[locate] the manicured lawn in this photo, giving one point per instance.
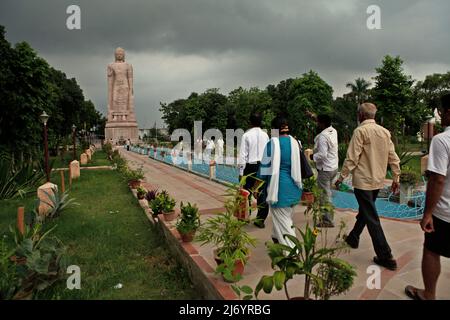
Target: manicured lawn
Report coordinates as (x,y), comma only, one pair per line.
(109,237)
(98,159)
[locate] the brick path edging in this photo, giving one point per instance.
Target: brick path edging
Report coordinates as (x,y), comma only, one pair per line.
(200,271)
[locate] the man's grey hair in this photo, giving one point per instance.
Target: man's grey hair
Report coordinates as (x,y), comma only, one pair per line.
(369,110)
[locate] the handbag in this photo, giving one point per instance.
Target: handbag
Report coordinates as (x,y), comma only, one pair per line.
(304,165)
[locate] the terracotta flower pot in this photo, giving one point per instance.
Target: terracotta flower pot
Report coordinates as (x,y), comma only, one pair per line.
(307,197)
(188,237)
(238,265)
(134,184)
(169,216)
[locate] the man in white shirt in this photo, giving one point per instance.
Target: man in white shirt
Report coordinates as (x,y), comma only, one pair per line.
(436,217)
(210,146)
(327,162)
(251,152)
(219,150)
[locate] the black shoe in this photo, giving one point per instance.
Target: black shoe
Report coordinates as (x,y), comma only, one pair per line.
(260,224)
(390,263)
(275,240)
(325,224)
(351,242)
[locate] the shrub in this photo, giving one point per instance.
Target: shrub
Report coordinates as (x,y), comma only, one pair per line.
(309,184)
(58,202)
(189,219)
(18,180)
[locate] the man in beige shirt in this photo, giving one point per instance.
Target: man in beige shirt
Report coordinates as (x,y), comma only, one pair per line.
(369,153)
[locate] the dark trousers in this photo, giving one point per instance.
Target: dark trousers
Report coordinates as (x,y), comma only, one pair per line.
(368,216)
(263,208)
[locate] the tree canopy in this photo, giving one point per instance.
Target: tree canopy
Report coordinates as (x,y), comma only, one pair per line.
(29,87)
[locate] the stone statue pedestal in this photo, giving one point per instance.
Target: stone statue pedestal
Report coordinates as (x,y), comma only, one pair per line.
(121,130)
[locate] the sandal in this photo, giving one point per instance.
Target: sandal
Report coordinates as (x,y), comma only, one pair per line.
(413,293)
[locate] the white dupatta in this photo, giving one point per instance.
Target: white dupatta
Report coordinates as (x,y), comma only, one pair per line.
(272,190)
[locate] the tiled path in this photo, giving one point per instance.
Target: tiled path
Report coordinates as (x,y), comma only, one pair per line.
(405,238)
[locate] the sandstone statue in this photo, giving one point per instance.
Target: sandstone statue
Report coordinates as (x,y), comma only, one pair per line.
(121,124)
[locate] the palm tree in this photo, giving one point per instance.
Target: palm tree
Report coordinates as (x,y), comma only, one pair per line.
(360,90)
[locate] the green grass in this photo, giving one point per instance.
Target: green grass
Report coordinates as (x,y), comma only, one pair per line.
(98,159)
(110,238)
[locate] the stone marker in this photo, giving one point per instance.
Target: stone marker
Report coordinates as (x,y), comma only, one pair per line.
(74,169)
(43,193)
(89,154)
(423,164)
(83,158)
(212,169)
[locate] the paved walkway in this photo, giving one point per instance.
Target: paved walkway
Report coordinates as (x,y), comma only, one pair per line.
(405,238)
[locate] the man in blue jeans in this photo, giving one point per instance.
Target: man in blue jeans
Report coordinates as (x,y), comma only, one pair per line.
(369,152)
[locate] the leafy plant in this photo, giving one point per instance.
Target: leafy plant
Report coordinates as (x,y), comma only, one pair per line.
(38,259)
(163,203)
(18,180)
(189,219)
(151,195)
(9,280)
(311,256)
(227,233)
(141,192)
(137,174)
(309,184)
(107,148)
(58,202)
(409,177)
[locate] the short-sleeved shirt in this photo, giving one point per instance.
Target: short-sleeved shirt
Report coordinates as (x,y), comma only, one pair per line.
(439,162)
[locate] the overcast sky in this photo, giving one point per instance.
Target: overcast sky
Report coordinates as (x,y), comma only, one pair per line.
(180,46)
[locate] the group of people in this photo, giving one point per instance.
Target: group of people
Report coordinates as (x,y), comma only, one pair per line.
(276,162)
(210,146)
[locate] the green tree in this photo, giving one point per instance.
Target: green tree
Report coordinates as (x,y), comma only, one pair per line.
(308,94)
(393,94)
(359,90)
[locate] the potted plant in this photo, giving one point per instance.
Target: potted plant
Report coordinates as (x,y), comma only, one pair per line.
(166,205)
(408,179)
(308,190)
(141,193)
(312,256)
(188,222)
(134,177)
(151,195)
(232,242)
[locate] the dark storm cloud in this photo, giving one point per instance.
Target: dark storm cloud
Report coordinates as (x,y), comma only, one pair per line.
(189,45)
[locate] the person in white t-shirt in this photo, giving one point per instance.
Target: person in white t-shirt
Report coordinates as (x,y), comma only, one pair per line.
(436,217)
(327,163)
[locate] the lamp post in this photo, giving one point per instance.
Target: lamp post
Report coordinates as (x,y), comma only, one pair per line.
(44,118)
(74,128)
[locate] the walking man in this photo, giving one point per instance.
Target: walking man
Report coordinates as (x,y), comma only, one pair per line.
(369,152)
(327,163)
(436,217)
(251,152)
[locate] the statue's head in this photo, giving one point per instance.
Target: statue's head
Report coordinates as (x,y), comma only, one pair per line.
(120,54)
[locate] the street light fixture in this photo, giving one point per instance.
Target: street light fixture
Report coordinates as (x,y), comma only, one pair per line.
(44,118)
(74,128)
